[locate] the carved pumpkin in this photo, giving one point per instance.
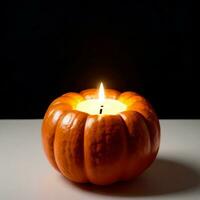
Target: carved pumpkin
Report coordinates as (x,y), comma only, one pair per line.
(101,149)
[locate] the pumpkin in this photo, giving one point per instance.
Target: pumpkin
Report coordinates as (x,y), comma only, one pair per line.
(100,149)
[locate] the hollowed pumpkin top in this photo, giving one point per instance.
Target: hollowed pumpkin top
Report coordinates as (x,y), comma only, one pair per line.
(101,149)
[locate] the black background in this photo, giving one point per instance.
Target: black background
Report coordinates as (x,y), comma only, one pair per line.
(50,48)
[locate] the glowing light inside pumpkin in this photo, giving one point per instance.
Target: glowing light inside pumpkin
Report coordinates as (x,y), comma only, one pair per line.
(108,106)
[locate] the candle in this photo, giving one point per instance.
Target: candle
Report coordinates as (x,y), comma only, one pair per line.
(102,105)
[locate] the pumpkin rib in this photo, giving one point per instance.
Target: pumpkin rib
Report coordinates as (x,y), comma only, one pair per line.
(75,96)
(68,101)
(153,126)
(68,145)
(104,148)
(138,144)
(64,145)
(131,98)
(141,105)
(129,94)
(49,125)
(63,100)
(126,160)
(137,105)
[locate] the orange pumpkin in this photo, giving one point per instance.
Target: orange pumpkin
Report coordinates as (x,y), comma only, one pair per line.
(101,149)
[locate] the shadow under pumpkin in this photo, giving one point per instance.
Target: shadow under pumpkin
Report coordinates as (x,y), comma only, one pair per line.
(163,177)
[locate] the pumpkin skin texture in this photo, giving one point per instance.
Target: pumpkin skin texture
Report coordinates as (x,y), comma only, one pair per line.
(100,149)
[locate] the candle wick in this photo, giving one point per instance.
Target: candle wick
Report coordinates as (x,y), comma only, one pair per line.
(101,109)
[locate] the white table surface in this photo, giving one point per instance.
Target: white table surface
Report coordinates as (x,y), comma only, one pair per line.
(25,173)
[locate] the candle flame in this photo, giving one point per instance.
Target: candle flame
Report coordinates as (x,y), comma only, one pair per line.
(101,93)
